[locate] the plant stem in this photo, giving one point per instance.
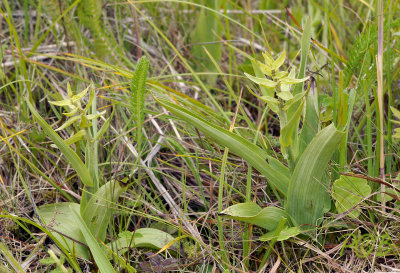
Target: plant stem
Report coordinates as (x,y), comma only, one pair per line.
(379,74)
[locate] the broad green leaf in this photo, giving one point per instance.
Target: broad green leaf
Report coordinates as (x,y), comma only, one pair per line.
(143,237)
(285,234)
(308,192)
(97,212)
(58,217)
(390,194)
(98,254)
(250,152)
(262,81)
(69,154)
(348,192)
(286,137)
(251,213)
(71,260)
(285,95)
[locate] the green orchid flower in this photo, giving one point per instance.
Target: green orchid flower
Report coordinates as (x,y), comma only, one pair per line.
(279,80)
(77,114)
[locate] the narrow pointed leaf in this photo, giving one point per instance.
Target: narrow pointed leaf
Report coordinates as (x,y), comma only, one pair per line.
(75,138)
(288,80)
(259,71)
(68,123)
(66,102)
(269,99)
(396,112)
(279,61)
(72,112)
(286,137)
(268,58)
(80,95)
(261,81)
(103,128)
(265,69)
(92,95)
(295,99)
(94,116)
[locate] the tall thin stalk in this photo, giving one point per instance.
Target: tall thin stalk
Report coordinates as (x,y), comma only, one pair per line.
(379,74)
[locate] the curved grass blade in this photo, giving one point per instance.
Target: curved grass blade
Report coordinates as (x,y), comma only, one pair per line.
(250,152)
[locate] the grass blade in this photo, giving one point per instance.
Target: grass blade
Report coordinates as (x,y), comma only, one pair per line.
(274,171)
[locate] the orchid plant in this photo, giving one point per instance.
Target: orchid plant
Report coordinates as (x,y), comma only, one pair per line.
(278,82)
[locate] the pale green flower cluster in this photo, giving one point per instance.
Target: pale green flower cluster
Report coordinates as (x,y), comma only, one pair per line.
(278,80)
(78,114)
